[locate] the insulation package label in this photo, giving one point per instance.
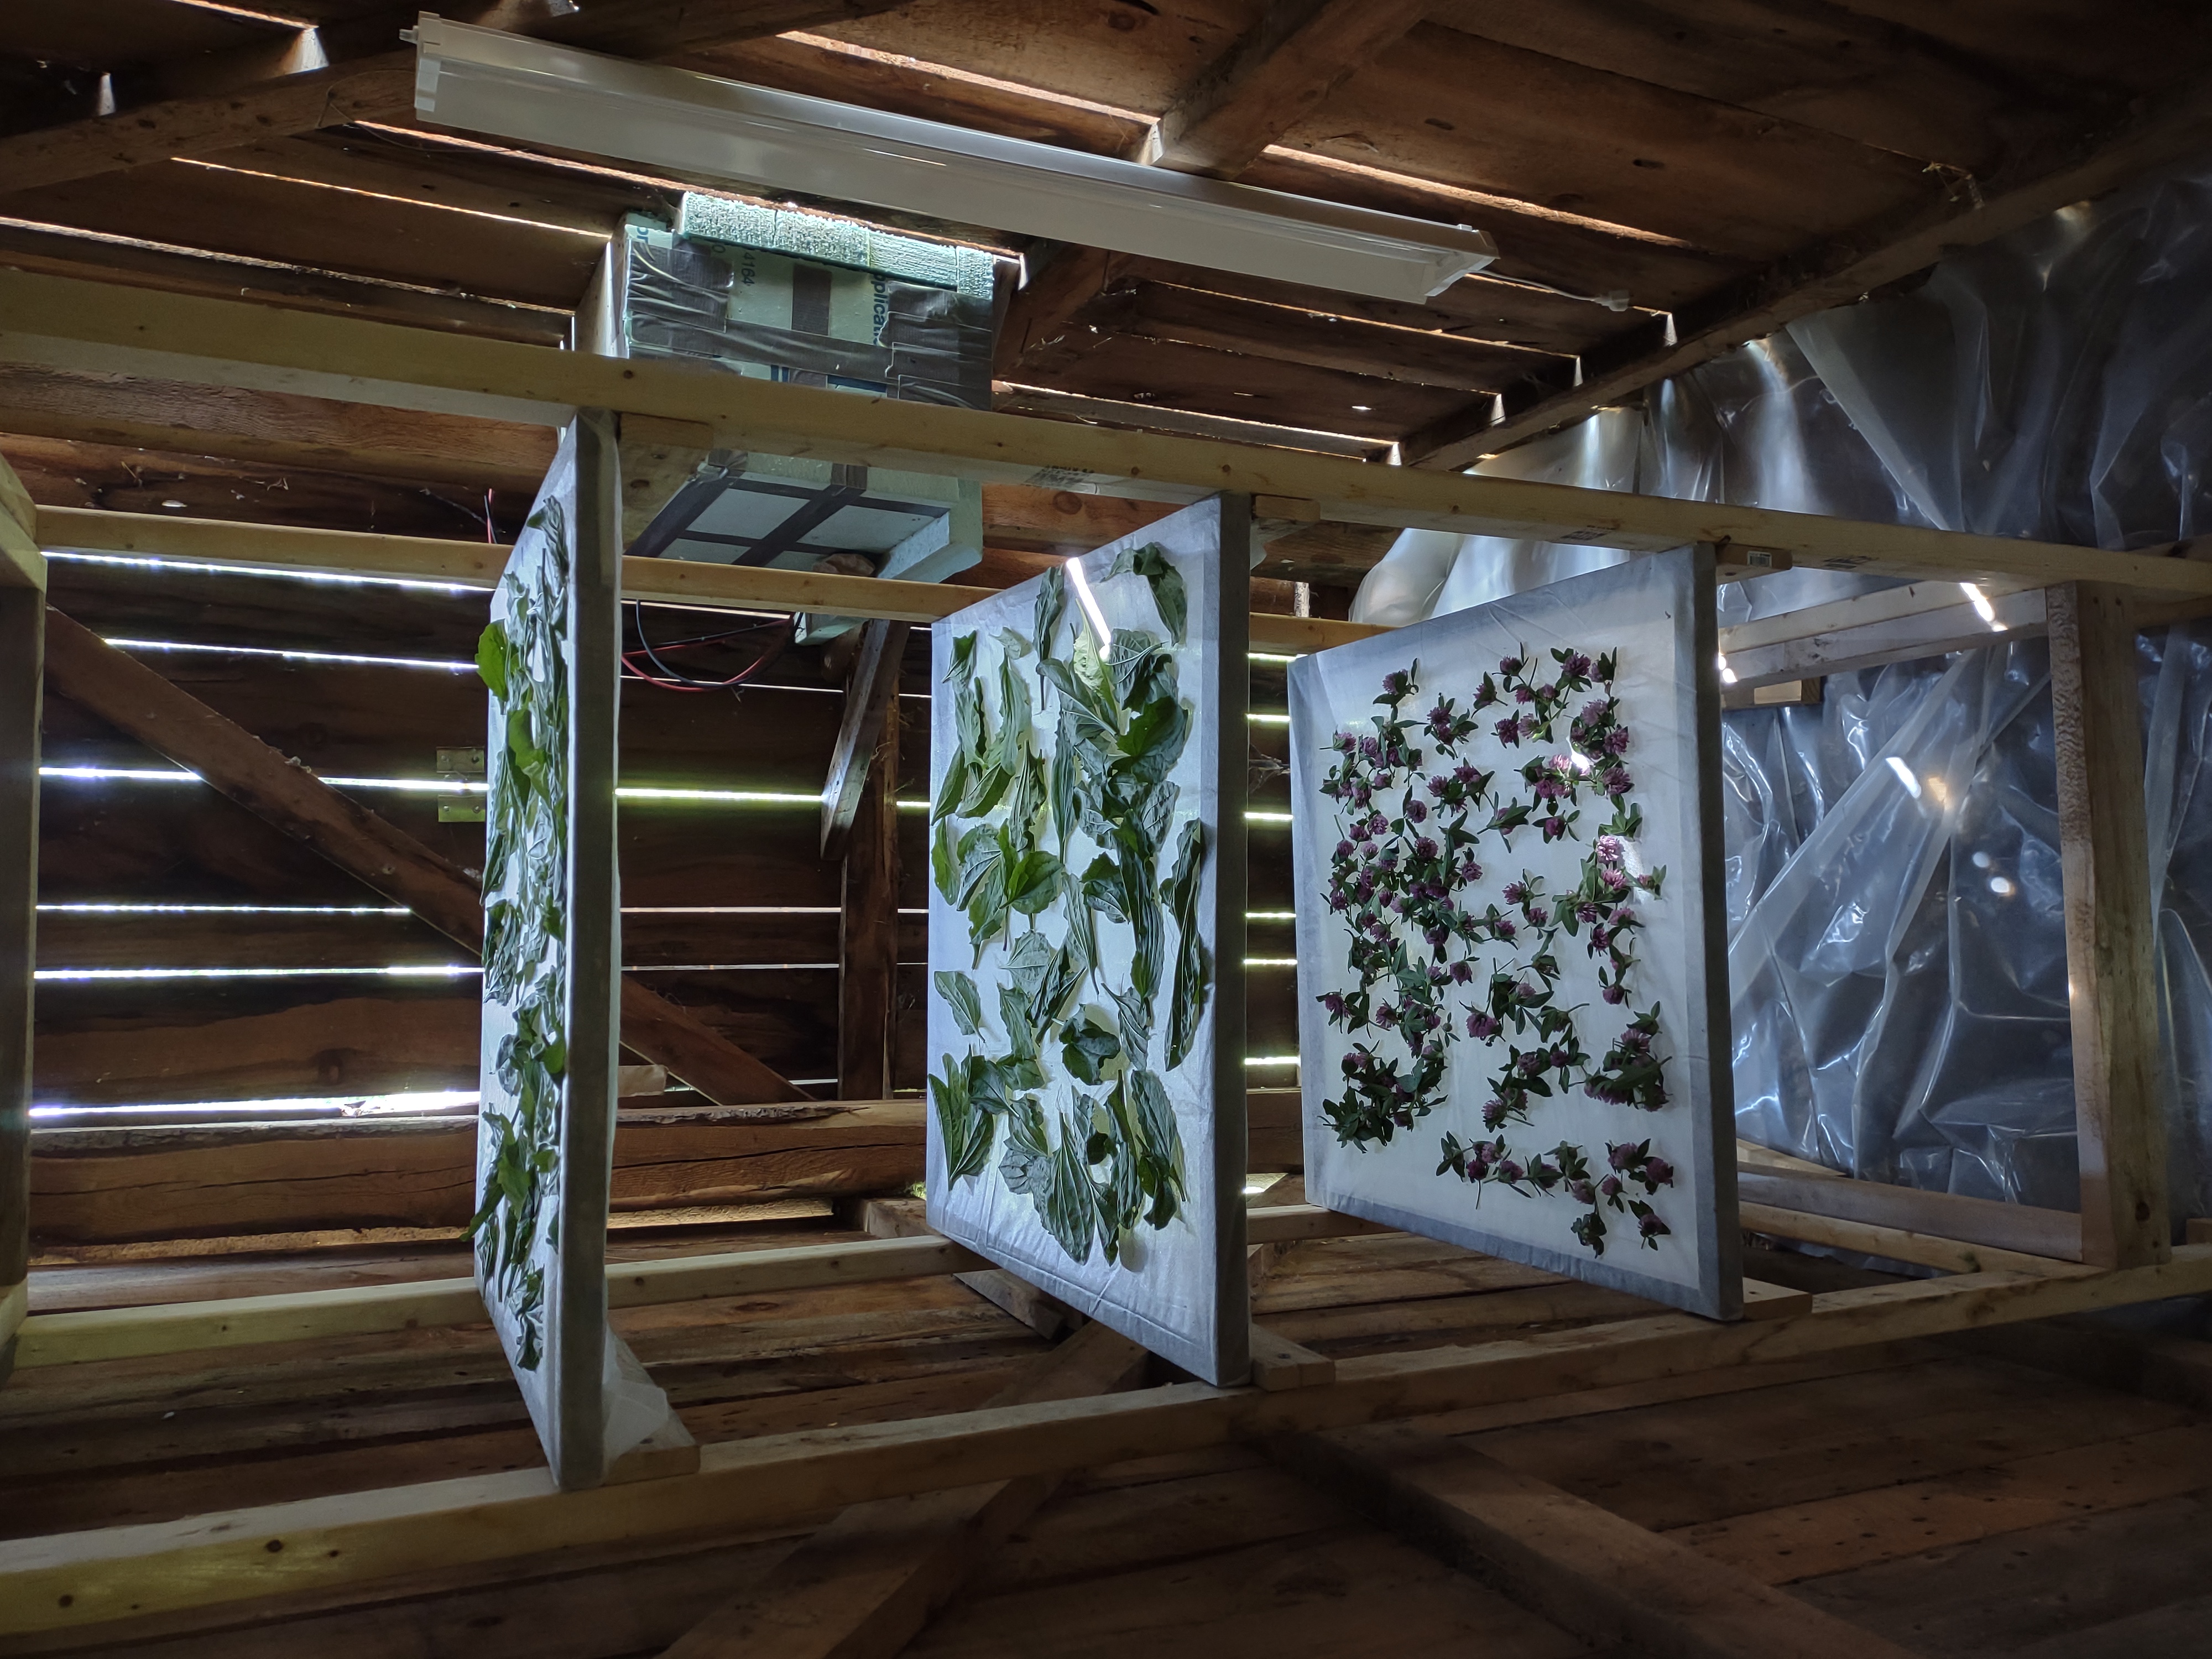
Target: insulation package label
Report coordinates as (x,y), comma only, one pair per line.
(1513,1023)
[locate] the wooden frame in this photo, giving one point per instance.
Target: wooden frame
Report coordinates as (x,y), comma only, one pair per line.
(63,323)
(22,635)
(82,1579)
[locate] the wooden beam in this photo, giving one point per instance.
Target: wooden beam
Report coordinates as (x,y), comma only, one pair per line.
(1895,1243)
(69,1338)
(139,703)
(478,564)
(1957,624)
(1593,1573)
(72,1339)
(80,1580)
(868,933)
(1276,75)
(2036,179)
(358,70)
(2021,1227)
(22,627)
(871,694)
(864,1585)
(2112,963)
(110,329)
(1042,1311)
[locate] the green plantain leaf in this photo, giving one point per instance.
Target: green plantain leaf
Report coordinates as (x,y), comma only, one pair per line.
(1028,962)
(1069,1210)
(1033,882)
(965,1132)
(491,660)
(1136,1016)
(1139,661)
(1051,600)
(963,652)
(1150,562)
(1021,1028)
(944,864)
(1027,1166)
(1187,1001)
(979,855)
(962,998)
(1154,741)
(1087,1048)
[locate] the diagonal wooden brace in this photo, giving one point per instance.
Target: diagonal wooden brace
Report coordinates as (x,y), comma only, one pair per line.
(282,792)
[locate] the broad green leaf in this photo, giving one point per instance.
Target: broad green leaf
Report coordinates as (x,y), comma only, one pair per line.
(1087,1048)
(1136,1013)
(1063,784)
(1069,1210)
(491,660)
(1155,740)
(944,864)
(965,1131)
(1187,1000)
(961,996)
(1014,718)
(1102,887)
(981,855)
(954,785)
(1168,597)
(963,652)
(1051,600)
(1028,962)
(1033,883)
(1012,645)
(1138,661)
(1021,1026)
(986,784)
(1027,1166)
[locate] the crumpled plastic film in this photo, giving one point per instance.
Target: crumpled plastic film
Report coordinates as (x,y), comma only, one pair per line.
(1898,960)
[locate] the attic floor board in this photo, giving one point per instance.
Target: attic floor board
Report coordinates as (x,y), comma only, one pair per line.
(1955,1504)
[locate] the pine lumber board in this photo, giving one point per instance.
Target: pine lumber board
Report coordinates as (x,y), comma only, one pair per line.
(1896,1243)
(88,327)
(2021,1228)
(74,1338)
(1607,1579)
(77,1581)
(1834,1535)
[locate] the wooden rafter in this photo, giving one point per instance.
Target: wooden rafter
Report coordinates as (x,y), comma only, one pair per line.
(141,704)
(1274,76)
(2038,179)
(359,70)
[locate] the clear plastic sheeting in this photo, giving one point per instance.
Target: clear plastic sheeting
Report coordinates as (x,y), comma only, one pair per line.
(1898,944)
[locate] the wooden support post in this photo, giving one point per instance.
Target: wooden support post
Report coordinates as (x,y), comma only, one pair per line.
(863,1587)
(2111,967)
(22,626)
(1042,1311)
(868,933)
(1601,1576)
(139,703)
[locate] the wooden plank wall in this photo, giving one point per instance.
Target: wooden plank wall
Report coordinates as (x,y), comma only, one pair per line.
(730,909)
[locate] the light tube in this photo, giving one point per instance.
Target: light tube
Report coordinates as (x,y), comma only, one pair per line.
(540,91)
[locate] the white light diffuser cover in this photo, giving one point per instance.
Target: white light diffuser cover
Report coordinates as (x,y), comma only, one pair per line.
(538,92)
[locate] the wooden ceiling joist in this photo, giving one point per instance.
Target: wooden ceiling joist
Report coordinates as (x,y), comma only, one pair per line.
(2034,181)
(105,328)
(358,70)
(1272,77)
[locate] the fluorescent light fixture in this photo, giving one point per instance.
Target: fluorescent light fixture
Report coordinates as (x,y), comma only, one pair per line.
(538,92)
